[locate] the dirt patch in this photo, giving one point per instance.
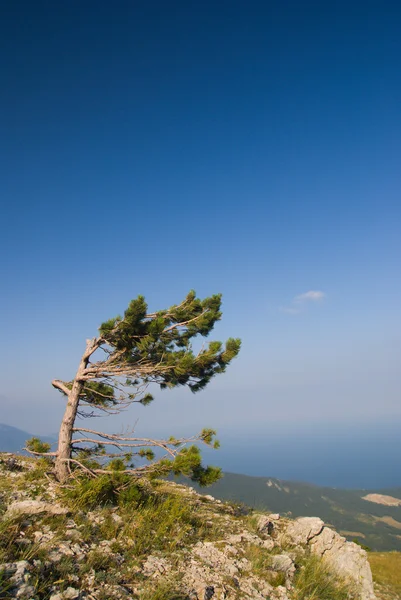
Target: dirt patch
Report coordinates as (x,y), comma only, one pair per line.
(382,499)
(353,534)
(389,521)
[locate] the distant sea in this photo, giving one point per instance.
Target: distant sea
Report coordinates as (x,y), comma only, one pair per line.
(367,457)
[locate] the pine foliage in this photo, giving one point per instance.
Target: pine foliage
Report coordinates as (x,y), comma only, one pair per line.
(160,343)
(141,350)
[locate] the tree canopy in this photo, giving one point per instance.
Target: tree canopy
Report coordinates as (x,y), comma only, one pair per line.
(131,355)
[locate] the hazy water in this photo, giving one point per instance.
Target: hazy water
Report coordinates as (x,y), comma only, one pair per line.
(368,457)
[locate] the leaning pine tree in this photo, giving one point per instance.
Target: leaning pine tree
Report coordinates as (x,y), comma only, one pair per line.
(116,369)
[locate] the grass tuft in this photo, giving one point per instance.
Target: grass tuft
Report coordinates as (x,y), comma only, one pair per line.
(386,570)
(164,590)
(314,580)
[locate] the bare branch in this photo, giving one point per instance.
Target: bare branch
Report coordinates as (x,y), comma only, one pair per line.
(117,444)
(154,315)
(60,385)
(91,347)
(126,438)
(73,460)
(185,322)
(40,453)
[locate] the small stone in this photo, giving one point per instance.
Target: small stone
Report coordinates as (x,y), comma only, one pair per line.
(268,544)
(282,563)
(71,593)
(265,525)
(154,566)
(19,568)
(25,591)
(73,534)
(209,592)
(280,593)
(116,518)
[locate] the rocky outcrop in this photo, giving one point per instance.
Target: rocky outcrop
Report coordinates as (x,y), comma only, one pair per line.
(348,559)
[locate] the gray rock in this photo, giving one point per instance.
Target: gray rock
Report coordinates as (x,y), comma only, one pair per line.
(19,577)
(70,524)
(223,570)
(43,538)
(155,565)
(274,517)
(116,518)
(73,534)
(280,593)
(209,592)
(268,544)
(265,526)
(348,559)
(283,563)
(71,593)
(302,530)
(34,507)
(19,570)
(25,591)
(55,556)
(238,539)
(215,558)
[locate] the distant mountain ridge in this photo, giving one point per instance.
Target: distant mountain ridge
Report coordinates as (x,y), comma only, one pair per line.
(13,439)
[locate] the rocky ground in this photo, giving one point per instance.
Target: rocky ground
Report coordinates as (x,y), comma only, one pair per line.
(161,542)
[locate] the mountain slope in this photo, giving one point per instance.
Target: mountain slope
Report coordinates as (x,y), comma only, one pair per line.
(13,439)
(114,537)
(375,525)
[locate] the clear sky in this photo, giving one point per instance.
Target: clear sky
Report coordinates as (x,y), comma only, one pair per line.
(249,148)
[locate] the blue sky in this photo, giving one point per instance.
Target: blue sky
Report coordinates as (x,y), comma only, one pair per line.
(248,148)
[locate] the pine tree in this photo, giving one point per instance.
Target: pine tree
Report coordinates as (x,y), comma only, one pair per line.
(116,369)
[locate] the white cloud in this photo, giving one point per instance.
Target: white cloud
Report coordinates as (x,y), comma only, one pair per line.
(312,295)
(298,302)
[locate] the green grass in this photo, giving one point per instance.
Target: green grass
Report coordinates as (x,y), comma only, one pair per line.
(315,581)
(164,524)
(261,561)
(164,590)
(5,585)
(386,570)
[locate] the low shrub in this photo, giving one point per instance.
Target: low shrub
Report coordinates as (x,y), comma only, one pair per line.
(116,489)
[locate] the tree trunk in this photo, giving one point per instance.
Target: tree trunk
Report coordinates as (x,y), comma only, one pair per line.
(65,433)
(67,424)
